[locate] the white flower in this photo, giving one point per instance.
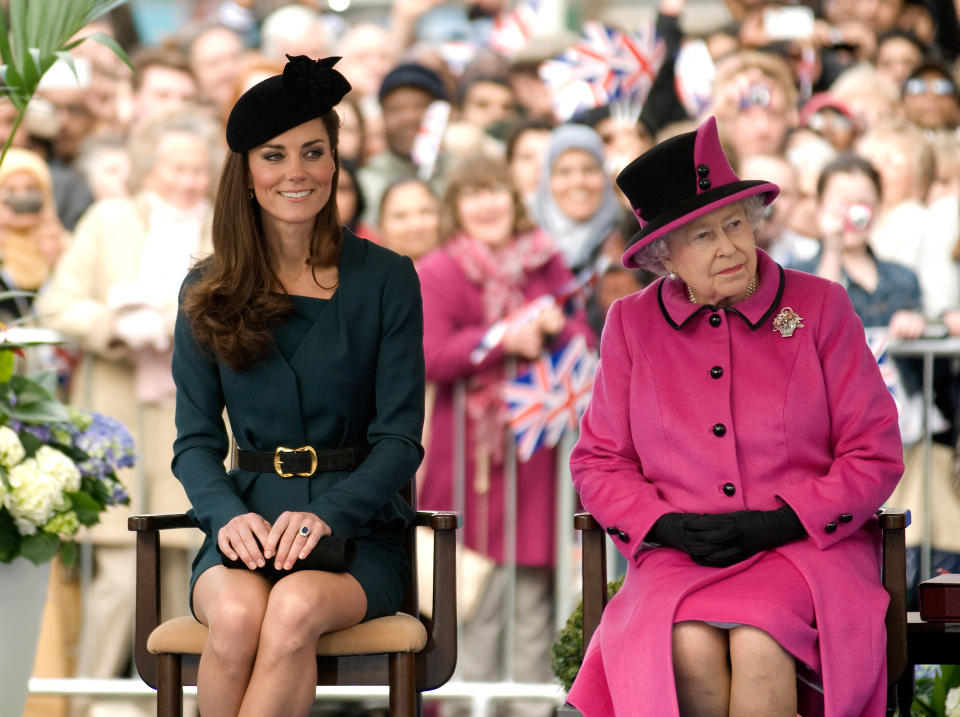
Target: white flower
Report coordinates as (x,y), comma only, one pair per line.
(952,703)
(34,496)
(11,449)
(60,467)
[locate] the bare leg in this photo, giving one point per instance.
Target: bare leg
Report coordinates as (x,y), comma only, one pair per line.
(302,607)
(701,670)
(764,682)
(232,603)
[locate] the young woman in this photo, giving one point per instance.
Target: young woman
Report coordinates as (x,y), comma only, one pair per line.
(311,338)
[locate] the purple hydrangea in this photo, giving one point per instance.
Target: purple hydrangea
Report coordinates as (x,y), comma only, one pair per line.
(108,445)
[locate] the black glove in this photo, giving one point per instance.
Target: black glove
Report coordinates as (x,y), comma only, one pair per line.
(693,533)
(755,530)
(332,554)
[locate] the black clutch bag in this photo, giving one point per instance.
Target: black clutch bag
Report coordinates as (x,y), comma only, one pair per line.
(332,554)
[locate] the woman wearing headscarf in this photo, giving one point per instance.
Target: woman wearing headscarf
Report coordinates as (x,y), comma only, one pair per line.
(575,202)
(31,236)
(737,445)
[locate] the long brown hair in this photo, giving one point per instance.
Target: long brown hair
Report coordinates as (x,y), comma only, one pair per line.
(233,304)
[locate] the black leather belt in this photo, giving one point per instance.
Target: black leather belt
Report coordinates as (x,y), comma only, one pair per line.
(302,461)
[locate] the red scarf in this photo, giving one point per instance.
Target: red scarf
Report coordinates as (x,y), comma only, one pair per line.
(501,275)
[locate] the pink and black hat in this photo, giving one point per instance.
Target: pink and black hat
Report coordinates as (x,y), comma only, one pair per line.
(680,179)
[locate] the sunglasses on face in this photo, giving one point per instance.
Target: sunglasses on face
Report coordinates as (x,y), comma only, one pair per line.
(939,86)
(823,121)
(756,95)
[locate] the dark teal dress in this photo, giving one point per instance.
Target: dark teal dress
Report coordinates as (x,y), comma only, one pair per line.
(344,371)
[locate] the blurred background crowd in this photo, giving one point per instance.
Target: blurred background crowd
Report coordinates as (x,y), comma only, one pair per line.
(462,114)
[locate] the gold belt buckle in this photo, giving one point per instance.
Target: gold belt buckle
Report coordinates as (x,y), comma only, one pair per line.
(301,449)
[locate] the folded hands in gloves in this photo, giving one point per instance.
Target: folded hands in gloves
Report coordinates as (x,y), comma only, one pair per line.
(722,539)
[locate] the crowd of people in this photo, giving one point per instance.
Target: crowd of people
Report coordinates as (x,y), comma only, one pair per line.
(455,155)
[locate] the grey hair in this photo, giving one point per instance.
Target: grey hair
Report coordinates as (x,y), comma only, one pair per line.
(652,255)
(190,120)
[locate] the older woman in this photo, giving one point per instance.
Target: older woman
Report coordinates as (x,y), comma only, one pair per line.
(491,264)
(737,445)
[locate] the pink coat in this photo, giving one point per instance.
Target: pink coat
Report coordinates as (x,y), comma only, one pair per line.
(806,420)
(453,324)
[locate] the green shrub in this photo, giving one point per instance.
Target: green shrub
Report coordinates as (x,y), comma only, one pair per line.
(567,653)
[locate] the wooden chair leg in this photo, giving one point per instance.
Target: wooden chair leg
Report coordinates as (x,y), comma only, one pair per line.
(905,691)
(403,691)
(169,687)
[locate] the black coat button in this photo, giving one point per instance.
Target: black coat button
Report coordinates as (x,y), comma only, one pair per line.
(729,488)
(716,372)
(715,319)
(846,518)
(830,527)
(719,429)
(704,184)
(611,530)
(623,536)
(703,170)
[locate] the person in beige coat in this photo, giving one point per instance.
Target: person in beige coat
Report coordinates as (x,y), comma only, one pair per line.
(114,293)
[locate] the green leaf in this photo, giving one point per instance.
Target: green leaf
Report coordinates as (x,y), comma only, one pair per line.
(96,489)
(87,508)
(7,361)
(47,411)
(31,444)
(6,53)
(28,390)
(47,380)
(109,42)
(9,537)
(40,547)
(69,553)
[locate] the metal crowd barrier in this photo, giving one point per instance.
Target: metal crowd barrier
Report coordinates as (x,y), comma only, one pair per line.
(482,695)
(934,345)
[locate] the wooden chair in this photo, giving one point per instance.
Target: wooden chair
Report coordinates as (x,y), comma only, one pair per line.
(404,651)
(893,524)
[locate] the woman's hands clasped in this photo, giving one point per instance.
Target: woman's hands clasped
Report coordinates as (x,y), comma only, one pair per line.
(722,539)
(251,538)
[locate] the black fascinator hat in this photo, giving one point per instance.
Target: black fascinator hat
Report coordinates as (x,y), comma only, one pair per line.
(307,89)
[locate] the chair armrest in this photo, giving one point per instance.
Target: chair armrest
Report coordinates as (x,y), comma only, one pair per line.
(147,615)
(893,518)
(893,524)
(594,567)
(439,519)
(438,659)
(159,521)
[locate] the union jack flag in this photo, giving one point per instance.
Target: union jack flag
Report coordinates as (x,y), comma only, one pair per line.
(606,66)
(511,30)
(550,397)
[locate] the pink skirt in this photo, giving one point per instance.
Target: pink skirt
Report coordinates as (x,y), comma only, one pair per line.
(770,587)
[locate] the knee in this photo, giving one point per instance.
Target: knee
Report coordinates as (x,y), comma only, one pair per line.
(235,629)
(293,621)
(699,653)
(754,653)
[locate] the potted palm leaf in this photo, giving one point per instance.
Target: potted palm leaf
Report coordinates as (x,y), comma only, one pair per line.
(48,485)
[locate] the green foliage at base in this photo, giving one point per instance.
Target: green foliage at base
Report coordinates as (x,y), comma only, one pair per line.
(567,653)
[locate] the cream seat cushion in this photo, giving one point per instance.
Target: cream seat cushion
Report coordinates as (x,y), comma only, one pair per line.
(393,633)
